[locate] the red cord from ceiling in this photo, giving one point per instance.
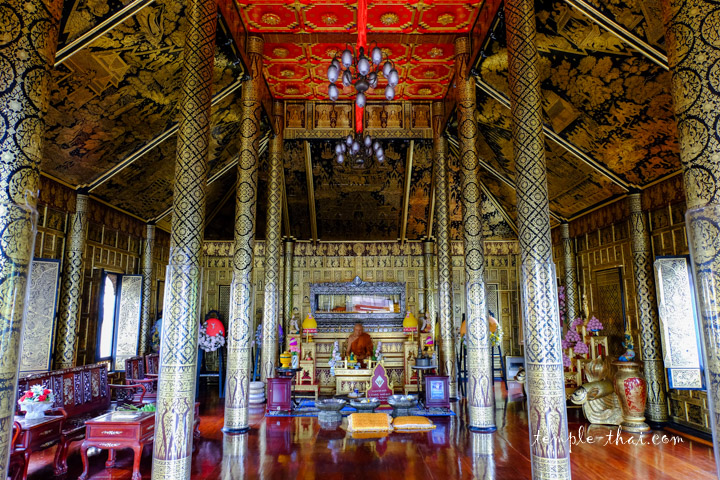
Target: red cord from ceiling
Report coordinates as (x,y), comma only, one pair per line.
(361,42)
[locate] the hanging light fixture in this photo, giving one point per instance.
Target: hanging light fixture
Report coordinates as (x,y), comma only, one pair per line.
(362,73)
(358,150)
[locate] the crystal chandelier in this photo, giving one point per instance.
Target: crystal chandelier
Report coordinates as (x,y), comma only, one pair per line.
(362,73)
(358,149)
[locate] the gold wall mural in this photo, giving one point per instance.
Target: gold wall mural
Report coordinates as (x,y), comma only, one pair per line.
(127,338)
(114,96)
(644,19)
(572,185)
(605,98)
(372,261)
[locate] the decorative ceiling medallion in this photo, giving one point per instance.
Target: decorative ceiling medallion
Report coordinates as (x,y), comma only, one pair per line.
(435,52)
(292,90)
(446,19)
(424,91)
(430,74)
(287,73)
(329,19)
(389,19)
(281,52)
(331,52)
(270,19)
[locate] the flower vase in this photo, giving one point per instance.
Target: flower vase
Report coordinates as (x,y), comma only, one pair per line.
(631,389)
(35,410)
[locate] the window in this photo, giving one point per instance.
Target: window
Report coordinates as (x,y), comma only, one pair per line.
(106,325)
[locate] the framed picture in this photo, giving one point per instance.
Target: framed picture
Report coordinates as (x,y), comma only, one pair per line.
(436,391)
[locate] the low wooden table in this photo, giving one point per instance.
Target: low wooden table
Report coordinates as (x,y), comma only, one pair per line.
(118,430)
(36,435)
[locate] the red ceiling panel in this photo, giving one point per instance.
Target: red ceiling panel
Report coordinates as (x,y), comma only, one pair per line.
(298,70)
(430,72)
(287,71)
(329,18)
(396,17)
(284,52)
(433,52)
(440,18)
(271,17)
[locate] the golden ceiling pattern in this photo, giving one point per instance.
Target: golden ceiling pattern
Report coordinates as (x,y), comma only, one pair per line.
(112,98)
(599,95)
(572,185)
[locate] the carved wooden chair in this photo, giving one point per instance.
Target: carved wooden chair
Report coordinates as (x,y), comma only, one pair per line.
(135,375)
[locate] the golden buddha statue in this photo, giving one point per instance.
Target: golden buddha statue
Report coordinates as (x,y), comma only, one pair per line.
(359,344)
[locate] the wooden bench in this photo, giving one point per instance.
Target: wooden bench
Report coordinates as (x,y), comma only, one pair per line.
(81,393)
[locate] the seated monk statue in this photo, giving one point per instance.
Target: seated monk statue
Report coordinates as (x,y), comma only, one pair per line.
(360,344)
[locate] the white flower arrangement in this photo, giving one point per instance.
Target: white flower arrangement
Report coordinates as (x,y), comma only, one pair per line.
(210,343)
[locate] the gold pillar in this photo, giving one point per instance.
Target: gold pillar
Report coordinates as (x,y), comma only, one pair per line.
(481,391)
(172,452)
(545,382)
(72,285)
(27,52)
(442,216)
(272,249)
(656,409)
(240,328)
(693,60)
(288,287)
(430,308)
(571,297)
(146,269)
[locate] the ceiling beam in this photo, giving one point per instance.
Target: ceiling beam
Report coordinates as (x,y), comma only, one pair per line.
(351,38)
(500,208)
(219,174)
(226,198)
(625,35)
(99,30)
(455,149)
(569,147)
(149,146)
(406,196)
(311,191)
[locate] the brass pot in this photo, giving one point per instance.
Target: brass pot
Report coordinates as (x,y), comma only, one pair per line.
(631,389)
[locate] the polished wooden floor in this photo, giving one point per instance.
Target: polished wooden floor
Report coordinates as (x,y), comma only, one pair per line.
(290,448)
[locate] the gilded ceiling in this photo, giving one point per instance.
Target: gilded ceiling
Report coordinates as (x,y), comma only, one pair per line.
(302,37)
(600,95)
(113,110)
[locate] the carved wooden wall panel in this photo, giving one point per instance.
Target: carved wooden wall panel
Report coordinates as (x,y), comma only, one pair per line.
(39,323)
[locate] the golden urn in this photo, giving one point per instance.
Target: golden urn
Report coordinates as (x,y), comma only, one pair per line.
(285,359)
(631,389)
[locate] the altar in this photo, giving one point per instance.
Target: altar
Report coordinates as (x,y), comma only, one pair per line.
(347,380)
(380,307)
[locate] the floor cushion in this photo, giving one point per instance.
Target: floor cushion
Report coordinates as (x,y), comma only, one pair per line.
(369,422)
(412,424)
